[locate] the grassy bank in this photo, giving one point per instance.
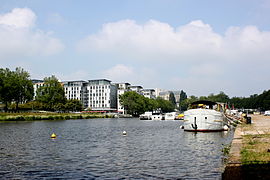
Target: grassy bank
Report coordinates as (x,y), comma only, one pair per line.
(256,149)
(48,116)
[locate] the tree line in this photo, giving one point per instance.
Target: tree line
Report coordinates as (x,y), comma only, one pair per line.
(17,93)
(136,104)
(260,102)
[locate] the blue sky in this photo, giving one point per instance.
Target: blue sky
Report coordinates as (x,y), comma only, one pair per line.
(200,47)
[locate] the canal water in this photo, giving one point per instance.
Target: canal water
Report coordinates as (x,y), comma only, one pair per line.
(96,149)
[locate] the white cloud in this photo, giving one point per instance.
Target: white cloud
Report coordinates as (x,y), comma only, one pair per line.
(192,42)
(143,76)
(192,57)
(154,38)
(19,18)
(19,37)
(119,73)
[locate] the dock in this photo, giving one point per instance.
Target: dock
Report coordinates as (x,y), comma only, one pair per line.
(235,167)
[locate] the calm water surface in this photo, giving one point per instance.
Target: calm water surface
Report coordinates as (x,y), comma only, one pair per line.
(96,149)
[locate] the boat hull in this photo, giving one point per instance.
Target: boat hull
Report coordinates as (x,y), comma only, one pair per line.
(157,117)
(204,120)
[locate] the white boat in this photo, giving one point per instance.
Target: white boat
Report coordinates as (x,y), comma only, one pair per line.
(146,116)
(157,117)
(170,116)
(205,116)
(267,113)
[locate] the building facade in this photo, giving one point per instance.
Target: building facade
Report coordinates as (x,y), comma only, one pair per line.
(99,94)
(149,93)
(137,89)
(121,89)
(37,84)
(74,90)
(102,95)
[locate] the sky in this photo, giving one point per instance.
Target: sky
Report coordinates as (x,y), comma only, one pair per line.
(200,47)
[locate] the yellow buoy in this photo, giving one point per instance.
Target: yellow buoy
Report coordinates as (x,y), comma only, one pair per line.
(53,136)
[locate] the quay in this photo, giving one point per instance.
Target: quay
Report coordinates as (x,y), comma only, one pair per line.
(236,167)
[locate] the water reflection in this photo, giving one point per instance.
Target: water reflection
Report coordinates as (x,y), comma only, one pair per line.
(96,149)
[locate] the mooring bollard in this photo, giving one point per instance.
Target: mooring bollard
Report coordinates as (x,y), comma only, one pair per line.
(248,120)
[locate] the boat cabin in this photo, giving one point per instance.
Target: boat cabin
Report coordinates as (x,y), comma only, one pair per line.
(204,104)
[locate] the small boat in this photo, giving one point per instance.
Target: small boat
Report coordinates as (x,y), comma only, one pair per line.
(179,117)
(157,117)
(205,116)
(146,116)
(170,116)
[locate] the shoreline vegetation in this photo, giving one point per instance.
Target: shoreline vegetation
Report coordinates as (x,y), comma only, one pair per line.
(255,149)
(30,116)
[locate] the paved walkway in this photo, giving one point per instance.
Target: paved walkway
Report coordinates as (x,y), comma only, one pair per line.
(259,125)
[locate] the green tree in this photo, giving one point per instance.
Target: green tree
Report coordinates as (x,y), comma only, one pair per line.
(16,86)
(263,101)
(221,97)
(185,104)
(172,98)
(72,105)
(6,86)
(182,105)
(164,105)
(152,105)
(23,87)
(134,103)
(51,93)
(33,105)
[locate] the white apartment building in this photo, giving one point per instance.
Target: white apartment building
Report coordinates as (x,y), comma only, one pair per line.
(37,84)
(149,93)
(121,89)
(166,95)
(98,94)
(102,95)
(137,89)
(74,90)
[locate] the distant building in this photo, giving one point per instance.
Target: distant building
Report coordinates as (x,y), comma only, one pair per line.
(37,84)
(136,89)
(177,97)
(121,89)
(157,91)
(102,95)
(76,90)
(149,93)
(166,95)
(97,94)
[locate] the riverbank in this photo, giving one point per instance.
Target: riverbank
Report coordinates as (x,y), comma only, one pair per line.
(249,156)
(50,116)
